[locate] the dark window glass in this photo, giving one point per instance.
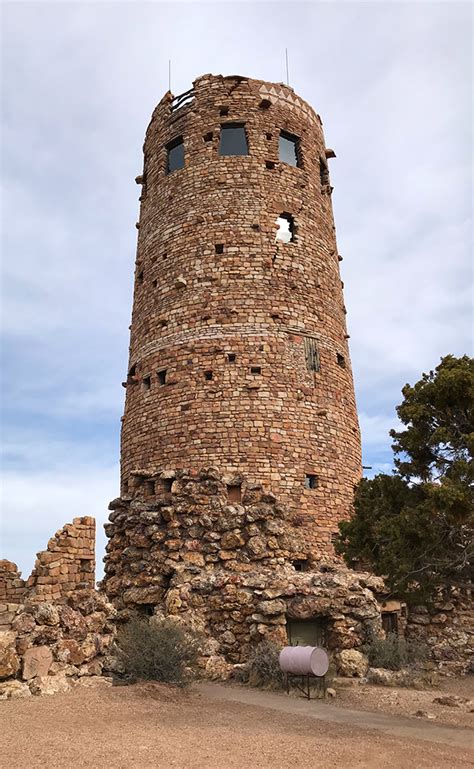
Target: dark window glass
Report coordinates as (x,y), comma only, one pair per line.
(289,149)
(233,140)
(175,152)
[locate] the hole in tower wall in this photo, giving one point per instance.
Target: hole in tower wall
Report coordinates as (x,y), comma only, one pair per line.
(149,488)
(146,383)
(255,369)
(140,276)
(208,375)
(270,165)
(219,248)
(166,484)
(341,361)
(208,137)
(223,111)
(161,376)
(231,357)
(310,481)
(286,228)
(234,492)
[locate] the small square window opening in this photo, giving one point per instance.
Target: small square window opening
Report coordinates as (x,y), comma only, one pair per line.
(208,375)
(162,376)
(234,492)
(219,248)
(341,361)
(310,481)
(255,369)
(231,357)
(146,383)
(208,137)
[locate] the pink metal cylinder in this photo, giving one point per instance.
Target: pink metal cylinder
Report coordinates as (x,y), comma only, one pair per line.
(304,660)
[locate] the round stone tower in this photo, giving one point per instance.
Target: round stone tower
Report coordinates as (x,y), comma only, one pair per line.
(239,354)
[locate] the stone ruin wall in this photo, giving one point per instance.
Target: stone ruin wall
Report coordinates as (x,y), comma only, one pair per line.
(55,627)
(226,313)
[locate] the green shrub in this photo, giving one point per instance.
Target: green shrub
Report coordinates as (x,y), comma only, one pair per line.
(157,651)
(393,652)
(264,666)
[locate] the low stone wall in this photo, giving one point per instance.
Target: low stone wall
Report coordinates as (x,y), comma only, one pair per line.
(447,628)
(67,564)
(12,586)
(48,646)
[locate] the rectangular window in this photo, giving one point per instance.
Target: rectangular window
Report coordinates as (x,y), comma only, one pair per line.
(288,147)
(341,361)
(146,383)
(255,369)
(310,481)
(234,492)
(162,376)
(390,622)
(307,632)
(233,140)
(311,353)
(175,155)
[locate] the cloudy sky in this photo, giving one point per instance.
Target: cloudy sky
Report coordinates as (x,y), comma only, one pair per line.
(80,80)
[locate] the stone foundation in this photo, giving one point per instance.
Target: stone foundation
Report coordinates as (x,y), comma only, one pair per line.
(236,570)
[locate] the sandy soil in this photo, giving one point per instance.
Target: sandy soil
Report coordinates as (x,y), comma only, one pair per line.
(406,702)
(152,725)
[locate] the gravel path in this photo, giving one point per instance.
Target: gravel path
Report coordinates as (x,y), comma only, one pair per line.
(152,726)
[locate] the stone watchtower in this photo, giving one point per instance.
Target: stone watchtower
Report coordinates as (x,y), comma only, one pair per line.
(239,356)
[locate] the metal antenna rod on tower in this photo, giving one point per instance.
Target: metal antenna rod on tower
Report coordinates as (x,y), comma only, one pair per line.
(287,70)
(169,74)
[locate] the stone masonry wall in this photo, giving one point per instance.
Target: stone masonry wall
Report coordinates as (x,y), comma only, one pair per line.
(67,564)
(12,586)
(230,568)
(224,314)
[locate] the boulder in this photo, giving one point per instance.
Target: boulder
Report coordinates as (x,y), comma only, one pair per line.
(218,669)
(49,685)
(69,651)
(73,622)
(46,614)
(14,690)
(36,662)
(9,659)
(351,663)
(24,623)
(450,700)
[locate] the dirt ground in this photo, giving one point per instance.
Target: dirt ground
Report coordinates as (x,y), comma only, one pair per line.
(152,725)
(407,702)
